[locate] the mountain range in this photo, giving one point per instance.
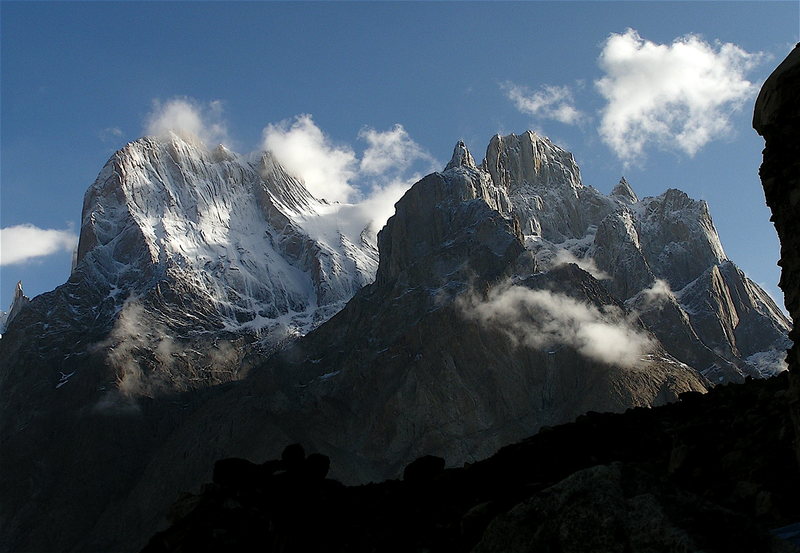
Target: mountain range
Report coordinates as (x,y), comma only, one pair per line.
(216,308)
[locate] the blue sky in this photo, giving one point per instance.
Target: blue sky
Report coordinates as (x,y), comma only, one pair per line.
(79,80)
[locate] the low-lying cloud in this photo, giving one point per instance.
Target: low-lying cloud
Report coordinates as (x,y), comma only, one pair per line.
(658,292)
(565,257)
(678,96)
(549,102)
(21,243)
(188,118)
(542,319)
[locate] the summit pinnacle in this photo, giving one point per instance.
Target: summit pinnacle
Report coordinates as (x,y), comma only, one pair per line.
(461,157)
(624,192)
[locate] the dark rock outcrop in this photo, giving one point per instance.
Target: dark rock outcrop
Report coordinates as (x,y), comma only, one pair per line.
(709,473)
(777,119)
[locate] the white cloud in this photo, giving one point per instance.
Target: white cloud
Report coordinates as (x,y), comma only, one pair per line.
(657,293)
(678,96)
(564,257)
(372,184)
(389,151)
(189,119)
(542,319)
(21,243)
(549,102)
(304,150)
(378,206)
(110,134)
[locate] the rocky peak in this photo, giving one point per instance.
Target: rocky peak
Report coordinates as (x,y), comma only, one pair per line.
(19,303)
(515,161)
(448,228)
(461,157)
(624,192)
(231,234)
(221,153)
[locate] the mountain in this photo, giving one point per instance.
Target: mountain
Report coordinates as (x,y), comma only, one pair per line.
(188,259)
(661,256)
(709,472)
(208,316)
(17,304)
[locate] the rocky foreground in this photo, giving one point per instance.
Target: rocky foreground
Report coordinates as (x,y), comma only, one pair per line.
(710,473)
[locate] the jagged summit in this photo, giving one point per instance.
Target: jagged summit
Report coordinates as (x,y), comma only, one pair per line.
(17,305)
(515,161)
(227,233)
(461,157)
(624,192)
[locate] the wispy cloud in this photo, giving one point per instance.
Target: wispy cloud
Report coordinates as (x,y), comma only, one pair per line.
(548,102)
(110,134)
(658,293)
(564,257)
(21,243)
(188,118)
(678,96)
(542,319)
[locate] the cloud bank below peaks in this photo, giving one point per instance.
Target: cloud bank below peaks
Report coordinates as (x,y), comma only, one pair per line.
(188,118)
(677,96)
(541,319)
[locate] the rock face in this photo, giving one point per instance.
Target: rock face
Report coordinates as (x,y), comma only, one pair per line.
(507,297)
(777,119)
(653,254)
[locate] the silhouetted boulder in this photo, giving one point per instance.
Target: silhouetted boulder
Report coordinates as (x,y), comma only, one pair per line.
(293,457)
(317,466)
(237,473)
(424,469)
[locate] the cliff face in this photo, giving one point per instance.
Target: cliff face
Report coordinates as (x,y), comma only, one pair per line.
(777,119)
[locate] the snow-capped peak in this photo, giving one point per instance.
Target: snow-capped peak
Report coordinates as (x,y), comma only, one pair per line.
(624,192)
(230,234)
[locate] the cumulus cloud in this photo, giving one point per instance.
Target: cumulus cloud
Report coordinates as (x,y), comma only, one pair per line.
(367,186)
(303,149)
(374,210)
(542,319)
(389,151)
(188,118)
(549,102)
(21,243)
(678,96)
